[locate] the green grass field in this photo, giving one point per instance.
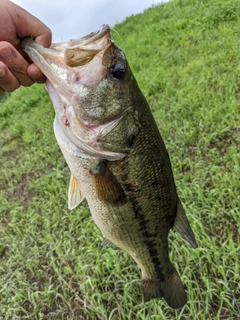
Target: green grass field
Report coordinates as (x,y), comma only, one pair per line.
(185,56)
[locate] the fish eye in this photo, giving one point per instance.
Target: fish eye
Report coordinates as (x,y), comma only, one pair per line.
(118,71)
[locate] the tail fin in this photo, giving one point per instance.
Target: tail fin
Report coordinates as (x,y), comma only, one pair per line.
(171,289)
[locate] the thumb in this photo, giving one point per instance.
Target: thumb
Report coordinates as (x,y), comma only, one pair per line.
(28,25)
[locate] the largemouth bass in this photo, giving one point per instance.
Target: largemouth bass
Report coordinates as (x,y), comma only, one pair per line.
(117,158)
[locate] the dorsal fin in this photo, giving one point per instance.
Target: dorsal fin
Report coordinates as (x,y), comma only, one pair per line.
(182,226)
(75,193)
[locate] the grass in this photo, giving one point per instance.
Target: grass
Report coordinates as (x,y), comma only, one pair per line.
(52,264)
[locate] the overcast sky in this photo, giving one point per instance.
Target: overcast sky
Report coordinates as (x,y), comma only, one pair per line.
(71,19)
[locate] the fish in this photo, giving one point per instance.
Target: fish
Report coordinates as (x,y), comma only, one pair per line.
(116,155)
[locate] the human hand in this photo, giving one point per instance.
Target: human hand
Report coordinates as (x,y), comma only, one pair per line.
(15,68)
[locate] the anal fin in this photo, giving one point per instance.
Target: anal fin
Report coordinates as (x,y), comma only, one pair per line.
(107,243)
(171,289)
(107,186)
(182,226)
(75,193)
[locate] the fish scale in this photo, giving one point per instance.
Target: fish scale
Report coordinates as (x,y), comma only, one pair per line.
(117,158)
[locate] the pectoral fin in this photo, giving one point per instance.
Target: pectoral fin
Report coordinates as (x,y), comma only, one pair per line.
(182,226)
(75,193)
(107,187)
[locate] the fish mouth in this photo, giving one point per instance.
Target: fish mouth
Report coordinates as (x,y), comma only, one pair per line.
(72,68)
(66,62)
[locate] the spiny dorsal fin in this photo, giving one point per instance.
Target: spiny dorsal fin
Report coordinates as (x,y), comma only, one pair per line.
(107,187)
(75,193)
(171,289)
(182,226)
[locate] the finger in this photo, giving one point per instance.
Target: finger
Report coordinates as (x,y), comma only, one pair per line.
(29,25)
(8,82)
(36,74)
(2,73)
(15,63)
(1,91)
(44,39)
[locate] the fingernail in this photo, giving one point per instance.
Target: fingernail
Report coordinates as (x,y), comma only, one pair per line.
(2,73)
(6,53)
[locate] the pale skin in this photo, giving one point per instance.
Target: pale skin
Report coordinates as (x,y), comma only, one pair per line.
(15,68)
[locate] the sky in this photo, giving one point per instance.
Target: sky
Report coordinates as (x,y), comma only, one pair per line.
(72,19)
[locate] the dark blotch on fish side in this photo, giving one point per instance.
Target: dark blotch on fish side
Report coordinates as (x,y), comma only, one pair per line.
(169,287)
(131,189)
(130,141)
(147,236)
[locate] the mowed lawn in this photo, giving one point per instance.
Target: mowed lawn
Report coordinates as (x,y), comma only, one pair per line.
(186,57)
